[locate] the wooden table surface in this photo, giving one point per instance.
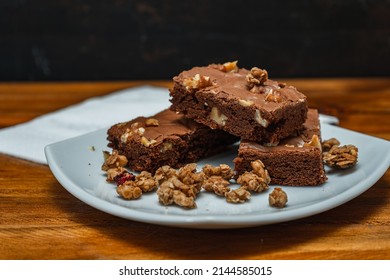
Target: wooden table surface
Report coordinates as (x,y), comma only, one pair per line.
(41,220)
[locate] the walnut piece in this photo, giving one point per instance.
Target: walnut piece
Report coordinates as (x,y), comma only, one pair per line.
(252,182)
(145,181)
(260,120)
(341,156)
(259,169)
(229,67)
(273,96)
(216,184)
(164,173)
(239,195)
(166,146)
(328,144)
(245,103)
(256,77)
(314,142)
(113,160)
(223,170)
(218,117)
(179,186)
(146,142)
(173,191)
(151,122)
(256,180)
(189,176)
(197,82)
(277,198)
(134,188)
(134,130)
(129,190)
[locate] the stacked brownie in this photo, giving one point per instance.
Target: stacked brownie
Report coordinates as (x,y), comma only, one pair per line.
(217,105)
(166,138)
(295,161)
(272,119)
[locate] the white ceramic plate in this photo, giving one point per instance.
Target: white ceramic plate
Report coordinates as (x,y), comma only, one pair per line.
(77,166)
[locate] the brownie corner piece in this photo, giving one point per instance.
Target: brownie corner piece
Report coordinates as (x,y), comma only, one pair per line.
(295,161)
(266,112)
(166,138)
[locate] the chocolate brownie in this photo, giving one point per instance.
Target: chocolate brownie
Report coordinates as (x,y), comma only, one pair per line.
(165,139)
(296,161)
(242,102)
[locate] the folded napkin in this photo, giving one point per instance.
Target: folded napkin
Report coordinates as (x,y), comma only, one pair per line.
(29,139)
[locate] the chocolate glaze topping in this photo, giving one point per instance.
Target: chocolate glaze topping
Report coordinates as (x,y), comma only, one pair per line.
(233,85)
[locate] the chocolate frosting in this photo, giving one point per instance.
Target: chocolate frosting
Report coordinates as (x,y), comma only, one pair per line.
(232,85)
(170,124)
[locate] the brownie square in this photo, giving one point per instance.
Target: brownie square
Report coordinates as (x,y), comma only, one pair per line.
(166,138)
(225,99)
(296,161)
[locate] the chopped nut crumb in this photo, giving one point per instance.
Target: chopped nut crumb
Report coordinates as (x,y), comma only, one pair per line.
(146,142)
(218,117)
(151,122)
(135,125)
(166,146)
(256,77)
(113,160)
(197,82)
(135,129)
(273,96)
(314,142)
(260,120)
(239,195)
(229,67)
(277,198)
(341,156)
(328,144)
(125,136)
(245,103)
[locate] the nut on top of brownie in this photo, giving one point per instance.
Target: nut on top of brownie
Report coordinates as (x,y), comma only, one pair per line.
(245,103)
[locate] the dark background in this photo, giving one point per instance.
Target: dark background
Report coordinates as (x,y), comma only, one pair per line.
(125,40)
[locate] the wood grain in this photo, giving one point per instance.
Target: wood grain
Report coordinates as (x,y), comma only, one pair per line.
(41,220)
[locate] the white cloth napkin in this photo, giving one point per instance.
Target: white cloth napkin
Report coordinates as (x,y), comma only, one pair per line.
(29,139)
